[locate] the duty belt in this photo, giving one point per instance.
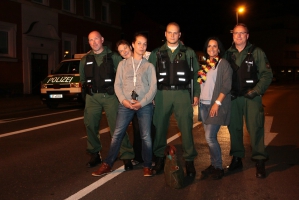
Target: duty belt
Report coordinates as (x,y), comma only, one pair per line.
(172,87)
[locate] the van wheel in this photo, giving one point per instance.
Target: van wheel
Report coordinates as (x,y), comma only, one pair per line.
(52,105)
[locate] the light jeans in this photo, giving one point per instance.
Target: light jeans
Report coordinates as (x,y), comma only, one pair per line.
(211,131)
(124,117)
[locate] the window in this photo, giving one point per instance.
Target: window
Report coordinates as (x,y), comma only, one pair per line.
(3,42)
(69,5)
(44,2)
(68,45)
(88,8)
(8,39)
(105,12)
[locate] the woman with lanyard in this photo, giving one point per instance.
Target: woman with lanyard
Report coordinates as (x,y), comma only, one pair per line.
(215,79)
(135,87)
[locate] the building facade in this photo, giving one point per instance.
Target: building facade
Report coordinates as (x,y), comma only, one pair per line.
(35,35)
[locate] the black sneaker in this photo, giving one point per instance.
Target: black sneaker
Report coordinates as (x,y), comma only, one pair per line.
(190,169)
(95,159)
(159,165)
(217,174)
(209,170)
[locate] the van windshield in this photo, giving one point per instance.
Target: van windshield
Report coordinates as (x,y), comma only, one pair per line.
(68,67)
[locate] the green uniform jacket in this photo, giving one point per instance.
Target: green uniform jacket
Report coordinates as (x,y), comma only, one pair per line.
(264,71)
(99,59)
(189,53)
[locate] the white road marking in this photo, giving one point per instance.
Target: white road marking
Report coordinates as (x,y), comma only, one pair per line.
(80,194)
(19,119)
(268,135)
(39,127)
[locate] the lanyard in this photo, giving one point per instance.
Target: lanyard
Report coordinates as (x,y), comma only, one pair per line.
(135,71)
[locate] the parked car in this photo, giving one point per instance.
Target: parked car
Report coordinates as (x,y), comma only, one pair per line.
(63,85)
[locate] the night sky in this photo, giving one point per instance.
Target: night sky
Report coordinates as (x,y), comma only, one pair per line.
(200,19)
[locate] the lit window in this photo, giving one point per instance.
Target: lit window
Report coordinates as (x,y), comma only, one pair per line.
(289,70)
(8,39)
(69,5)
(68,45)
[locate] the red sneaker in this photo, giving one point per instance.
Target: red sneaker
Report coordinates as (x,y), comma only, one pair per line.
(104,169)
(147,171)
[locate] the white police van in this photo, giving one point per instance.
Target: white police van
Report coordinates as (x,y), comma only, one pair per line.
(63,85)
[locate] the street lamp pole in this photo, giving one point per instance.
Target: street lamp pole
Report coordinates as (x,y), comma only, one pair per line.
(239,10)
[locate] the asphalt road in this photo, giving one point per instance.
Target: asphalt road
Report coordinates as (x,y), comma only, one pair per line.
(43,157)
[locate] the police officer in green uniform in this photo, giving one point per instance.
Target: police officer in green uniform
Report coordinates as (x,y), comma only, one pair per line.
(172,62)
(97,74)
(252,76)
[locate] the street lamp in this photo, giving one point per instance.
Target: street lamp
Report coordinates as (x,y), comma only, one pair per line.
(239,10)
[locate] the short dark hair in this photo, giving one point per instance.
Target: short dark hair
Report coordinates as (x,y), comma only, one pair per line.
(137,35)
(244,25)
(220,46)
(120,42)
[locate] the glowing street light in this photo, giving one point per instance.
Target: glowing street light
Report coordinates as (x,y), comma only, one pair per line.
(239,10)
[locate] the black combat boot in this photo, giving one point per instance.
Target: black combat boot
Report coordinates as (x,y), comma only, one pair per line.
(190,169)
(235,164)
(159,165)
(260,169)
(95,159)
(128,164)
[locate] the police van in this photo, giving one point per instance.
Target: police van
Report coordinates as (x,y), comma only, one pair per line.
(63,85)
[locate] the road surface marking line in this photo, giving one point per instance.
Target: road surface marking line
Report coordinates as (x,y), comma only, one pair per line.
(38,127)
(18,119)
(80,194)
(268,137)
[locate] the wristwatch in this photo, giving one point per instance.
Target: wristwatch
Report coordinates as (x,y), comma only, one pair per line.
(218,102)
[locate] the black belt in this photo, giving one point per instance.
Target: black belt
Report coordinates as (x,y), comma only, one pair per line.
(172,87)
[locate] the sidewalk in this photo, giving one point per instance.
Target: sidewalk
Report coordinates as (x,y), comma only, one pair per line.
(20,103)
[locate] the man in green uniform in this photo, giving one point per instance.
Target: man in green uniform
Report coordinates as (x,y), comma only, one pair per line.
(252,76)
(172,62)
(97,74)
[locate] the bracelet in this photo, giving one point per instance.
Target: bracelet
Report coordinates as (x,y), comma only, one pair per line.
(218,102)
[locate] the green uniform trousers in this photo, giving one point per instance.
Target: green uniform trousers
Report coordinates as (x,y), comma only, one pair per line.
(253,112)
(167,102)
(92,116)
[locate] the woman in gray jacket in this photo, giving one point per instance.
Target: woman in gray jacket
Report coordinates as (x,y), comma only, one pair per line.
(215,79)
(135,87)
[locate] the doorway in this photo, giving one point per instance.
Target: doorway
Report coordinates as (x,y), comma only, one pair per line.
(39,71)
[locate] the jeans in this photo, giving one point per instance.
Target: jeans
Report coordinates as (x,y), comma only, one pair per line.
(124,117)
(211,131)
